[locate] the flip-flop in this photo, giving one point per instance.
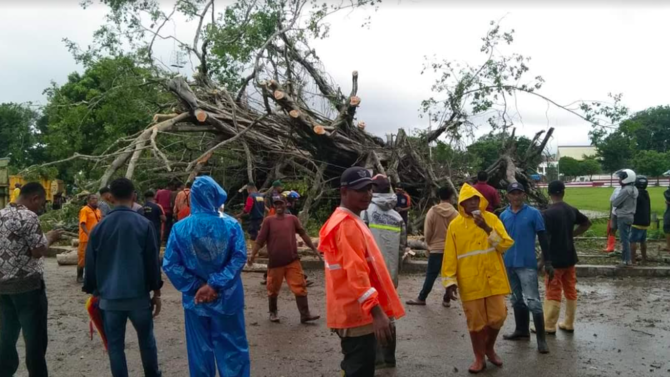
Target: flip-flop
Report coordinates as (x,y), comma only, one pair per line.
(415,302)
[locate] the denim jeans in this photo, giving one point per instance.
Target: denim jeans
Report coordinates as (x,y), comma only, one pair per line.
(432,272)
(525,290)
(624,225)
(115,328)
(25,312)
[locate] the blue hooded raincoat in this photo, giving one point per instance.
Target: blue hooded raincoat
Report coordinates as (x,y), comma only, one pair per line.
(205,248)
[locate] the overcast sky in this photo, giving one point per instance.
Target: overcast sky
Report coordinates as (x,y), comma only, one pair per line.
(583,49)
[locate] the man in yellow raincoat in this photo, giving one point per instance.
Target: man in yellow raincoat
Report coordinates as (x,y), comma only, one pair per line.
(473,264)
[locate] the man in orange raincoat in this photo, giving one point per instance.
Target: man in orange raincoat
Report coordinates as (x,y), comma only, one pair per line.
(473,264)
(361,299)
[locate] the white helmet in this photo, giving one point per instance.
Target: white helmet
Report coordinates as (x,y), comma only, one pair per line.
(626,176)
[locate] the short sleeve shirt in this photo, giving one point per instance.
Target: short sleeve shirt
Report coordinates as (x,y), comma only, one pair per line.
(560,220)
(279,232)
(104,208)
(91,217)
(153,212)
(522,227)
(20,232)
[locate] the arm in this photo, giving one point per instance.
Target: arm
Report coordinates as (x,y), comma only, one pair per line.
(349,241)
(223,279)
(305,237)
(620,199)
(152,271)
(499,238)
(38,243)
(90,277)
(260,241)
(583,223)
(428,227)
(175,269)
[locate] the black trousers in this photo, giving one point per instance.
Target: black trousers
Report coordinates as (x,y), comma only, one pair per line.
(433,271)
(359,356)
(28,312)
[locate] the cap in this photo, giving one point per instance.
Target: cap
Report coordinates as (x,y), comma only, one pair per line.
(277,183)
(383,184)
(515,186)
(356,178)
(277,198)
(556,187)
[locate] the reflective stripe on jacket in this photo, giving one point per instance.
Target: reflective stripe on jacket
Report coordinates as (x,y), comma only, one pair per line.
(356,276)
(473,259)
(388,229)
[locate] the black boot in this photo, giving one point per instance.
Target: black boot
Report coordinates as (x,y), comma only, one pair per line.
(538,320)
(303,308)
(272,303)
(80,274)
(522,319)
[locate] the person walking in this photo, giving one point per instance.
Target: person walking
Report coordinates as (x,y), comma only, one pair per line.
(154,212)
(524,223)
(360,296)
(122,271)
(641,220)
(182,203)
(15,193)
(473,266)
(204,259)
(164,199)
(278,232)
(489,192)
(104,204)
(625,204)
(89,217)
(560,220)
(435,231)
(23,299)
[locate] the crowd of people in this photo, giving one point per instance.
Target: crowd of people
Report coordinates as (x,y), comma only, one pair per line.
(480,255)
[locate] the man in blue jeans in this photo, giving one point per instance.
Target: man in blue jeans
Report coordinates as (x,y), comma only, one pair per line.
(122,271)
(625,204)
(523,223)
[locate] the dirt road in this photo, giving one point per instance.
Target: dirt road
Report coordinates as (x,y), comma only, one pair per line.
(623,329)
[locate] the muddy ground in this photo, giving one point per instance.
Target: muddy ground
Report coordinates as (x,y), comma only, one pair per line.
(623,329)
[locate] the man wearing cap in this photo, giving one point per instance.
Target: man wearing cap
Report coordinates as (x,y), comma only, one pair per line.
(360,296)
(278,232)
(277,188)
(523,223)
(389,231)
(560,220)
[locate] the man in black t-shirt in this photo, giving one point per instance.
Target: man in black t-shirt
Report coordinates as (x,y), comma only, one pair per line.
(560,220)
(154,213)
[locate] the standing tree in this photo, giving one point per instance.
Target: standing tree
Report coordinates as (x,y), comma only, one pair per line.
(590,166)
(651,163)
(570,167)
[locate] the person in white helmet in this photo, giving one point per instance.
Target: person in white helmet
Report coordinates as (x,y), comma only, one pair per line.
(625,204)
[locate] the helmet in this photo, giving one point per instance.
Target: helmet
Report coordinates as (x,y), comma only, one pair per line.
(626,176)
(291,194)
(641,182)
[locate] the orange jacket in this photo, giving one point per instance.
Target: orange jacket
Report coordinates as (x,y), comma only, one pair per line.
(356,276)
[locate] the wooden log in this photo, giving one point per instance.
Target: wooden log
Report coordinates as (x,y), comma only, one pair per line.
(200,115)
(361,125)
(355,101)
(417,244)
(279,95)
(319,130)
(294,113)
(67,259)
(163,117)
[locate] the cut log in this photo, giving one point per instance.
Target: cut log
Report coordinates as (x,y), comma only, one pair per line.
(319,130)
(200,115)
(294,113)
(67,259)
(355,101)
(163,117)
(417,244)
(361,125)
(279,95)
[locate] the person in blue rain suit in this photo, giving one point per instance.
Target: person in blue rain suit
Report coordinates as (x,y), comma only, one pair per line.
(204,258)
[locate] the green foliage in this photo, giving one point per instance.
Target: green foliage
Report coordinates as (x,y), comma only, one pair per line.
(590,166)
(20,131)
(615,152)
(488,148)
(569,167)
(651,163)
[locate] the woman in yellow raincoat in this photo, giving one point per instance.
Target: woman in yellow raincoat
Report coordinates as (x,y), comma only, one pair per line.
(473,264)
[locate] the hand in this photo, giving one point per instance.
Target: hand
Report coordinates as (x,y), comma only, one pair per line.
(452,292)
(318,254)
(250,261)
(549,270)
(205,294)
(54,235)
(381,326)
(482,224)
(156,305)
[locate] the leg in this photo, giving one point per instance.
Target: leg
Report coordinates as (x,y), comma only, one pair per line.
(295,278)
(359,356)
(496,313)
(230,345)
(552,303)
(199,346)
(275,277)
(521,313)
(633,252)
(531,292)
(643,250)
(81,261)
(115,328)
(475,313)
(624,234)
(144,326)
(10,328)
(432,272)
(570,289)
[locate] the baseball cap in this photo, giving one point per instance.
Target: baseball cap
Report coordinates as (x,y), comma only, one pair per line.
(382,183)
(556,187)
(515,186)
(277,183)
(356,178)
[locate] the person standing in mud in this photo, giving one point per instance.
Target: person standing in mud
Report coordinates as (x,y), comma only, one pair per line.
(560,220)
(641,221)
(473,265)
(524,223)
(390,232)
(360,295)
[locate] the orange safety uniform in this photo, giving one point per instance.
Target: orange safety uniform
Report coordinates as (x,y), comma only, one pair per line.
(357,279)
(90,217)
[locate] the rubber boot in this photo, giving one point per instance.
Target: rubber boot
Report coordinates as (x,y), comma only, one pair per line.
(478,340)
(611,243)
(272,301)
(538,320)
(80,274)
(491,336)
(303,307)
(522,319)
(552,309)
(568,324)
